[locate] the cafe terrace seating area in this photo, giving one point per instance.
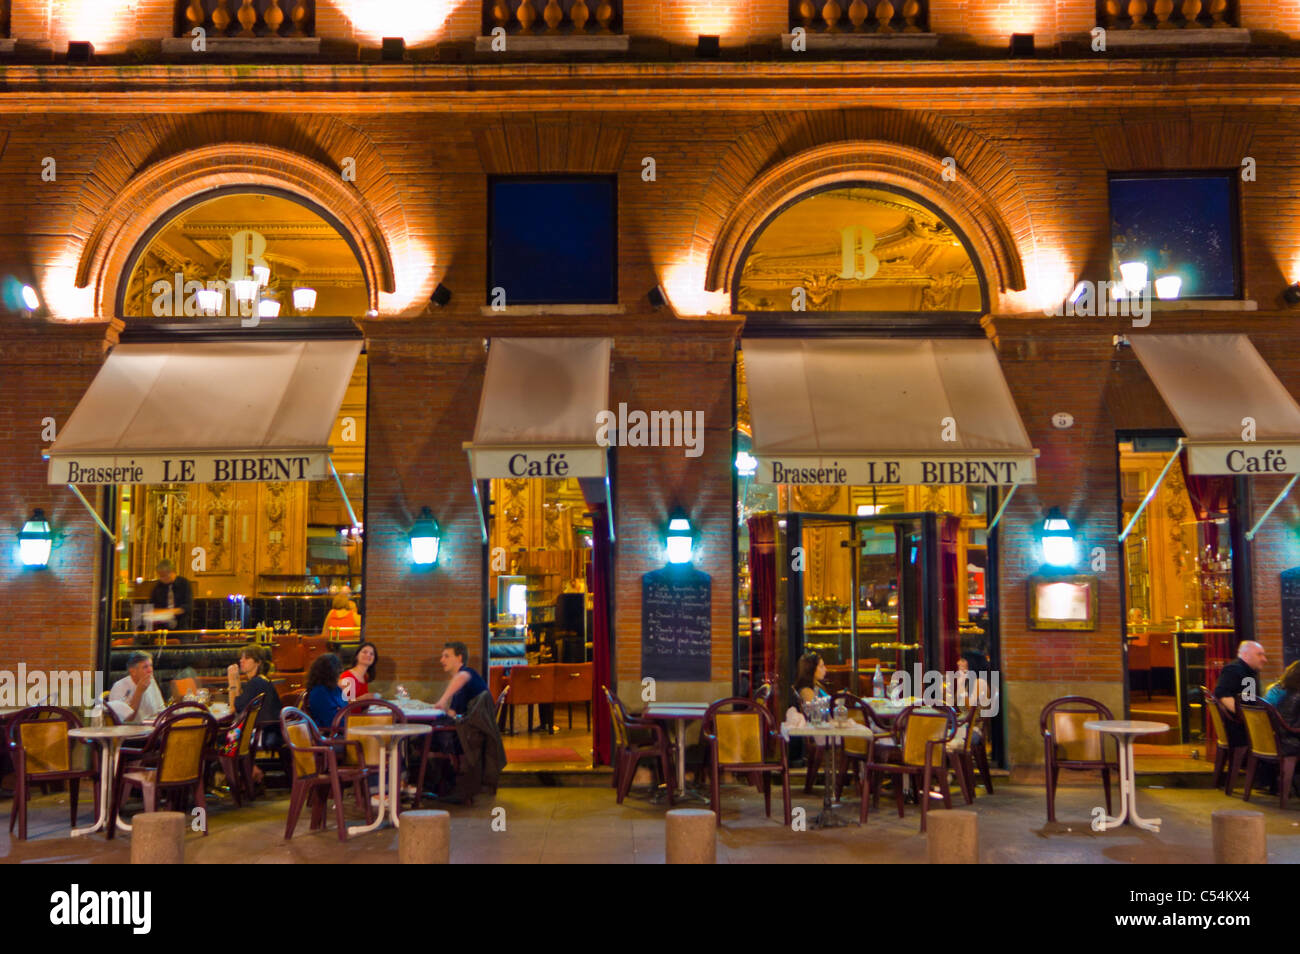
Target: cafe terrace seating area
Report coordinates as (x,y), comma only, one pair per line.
(920,757)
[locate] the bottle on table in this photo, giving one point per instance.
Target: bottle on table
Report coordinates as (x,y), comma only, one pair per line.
(878,684)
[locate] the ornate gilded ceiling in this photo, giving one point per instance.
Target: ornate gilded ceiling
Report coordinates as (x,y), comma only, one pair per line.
(858,249)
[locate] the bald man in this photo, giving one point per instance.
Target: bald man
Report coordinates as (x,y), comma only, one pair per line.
(1238,677)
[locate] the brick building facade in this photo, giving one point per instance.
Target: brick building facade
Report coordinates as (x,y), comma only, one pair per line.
(1033,141)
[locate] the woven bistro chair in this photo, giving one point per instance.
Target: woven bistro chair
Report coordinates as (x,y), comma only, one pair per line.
(355,715)
(741,734)
(1067,744)
(238,768)
(1228,757)
(919,748)
(173,760)
(857,752)
(634,741)
(1270,739)
(317,775)
(967,752)
(42,751)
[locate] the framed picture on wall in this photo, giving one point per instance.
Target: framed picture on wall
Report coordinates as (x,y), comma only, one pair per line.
(1063,602)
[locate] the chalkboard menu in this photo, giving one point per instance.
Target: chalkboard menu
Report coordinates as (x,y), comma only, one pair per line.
(1290,615)
(676,629)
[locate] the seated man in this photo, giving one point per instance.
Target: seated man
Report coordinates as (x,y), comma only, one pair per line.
(465,682)
(1240,677)
(136,697)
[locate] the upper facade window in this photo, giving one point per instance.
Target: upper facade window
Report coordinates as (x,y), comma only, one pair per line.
(241,255)
(1177,233)
(859,249)
(552,241)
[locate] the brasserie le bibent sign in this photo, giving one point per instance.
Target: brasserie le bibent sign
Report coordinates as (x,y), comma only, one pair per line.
(234,467)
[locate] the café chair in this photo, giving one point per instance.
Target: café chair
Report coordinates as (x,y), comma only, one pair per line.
(356,714)
(173,760)
(857,751)
(740,734)
(1270,738)
(967,751)
(764,693)
(635,740)
(1067,744)
(919,750)
(42,752)
(238,768)
(317,775)
(501,707)
(1228,755)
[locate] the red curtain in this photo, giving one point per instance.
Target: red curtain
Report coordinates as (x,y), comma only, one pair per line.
(762,599)
(598,579)
(949,640)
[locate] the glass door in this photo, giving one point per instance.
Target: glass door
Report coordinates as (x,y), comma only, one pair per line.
(866,596)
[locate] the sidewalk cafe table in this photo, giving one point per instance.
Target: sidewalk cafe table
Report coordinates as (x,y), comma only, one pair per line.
(1125,731)
(110,739)
(834,734)
(680,713)
(388,737)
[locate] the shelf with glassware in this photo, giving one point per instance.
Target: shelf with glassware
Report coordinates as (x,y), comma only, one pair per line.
(1202,654)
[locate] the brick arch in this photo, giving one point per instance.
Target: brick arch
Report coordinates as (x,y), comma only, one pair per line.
(1178,143)
(152,170)
(782,159)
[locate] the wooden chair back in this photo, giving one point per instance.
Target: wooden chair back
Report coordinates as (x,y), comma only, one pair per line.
(924,731)
(622,738)
(573,682)
(1062,721)
(532,685)
(1258,717)
(739,730)
(39,735)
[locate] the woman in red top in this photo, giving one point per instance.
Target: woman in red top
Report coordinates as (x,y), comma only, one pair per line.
(355,681)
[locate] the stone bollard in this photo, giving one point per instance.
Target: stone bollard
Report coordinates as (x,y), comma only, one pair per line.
(424,838)
(952,837)
(691,836)
(1239,837)
(158,838)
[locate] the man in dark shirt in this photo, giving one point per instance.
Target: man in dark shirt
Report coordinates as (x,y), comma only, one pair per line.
(1240,678)
(173,593)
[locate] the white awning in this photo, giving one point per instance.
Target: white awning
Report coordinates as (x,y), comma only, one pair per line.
(538,413)
(1237,416)
(884,411)
(207,412)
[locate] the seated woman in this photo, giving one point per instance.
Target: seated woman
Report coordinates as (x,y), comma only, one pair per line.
(343,622)
(808,678)
(324,697)
(254,664)
(465,683)
(355,681)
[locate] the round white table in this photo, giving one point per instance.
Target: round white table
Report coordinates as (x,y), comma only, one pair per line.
(835,734)
(110,739)
(1125,731)
(388,737)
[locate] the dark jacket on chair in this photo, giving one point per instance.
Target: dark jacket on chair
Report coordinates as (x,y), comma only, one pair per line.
(483,755)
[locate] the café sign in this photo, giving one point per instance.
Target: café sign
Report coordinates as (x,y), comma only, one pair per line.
(1243,458)
(491,463)
(996,470)
(104,470)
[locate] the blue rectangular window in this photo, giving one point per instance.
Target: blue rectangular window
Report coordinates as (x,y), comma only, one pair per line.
(553,241)
(1182,225)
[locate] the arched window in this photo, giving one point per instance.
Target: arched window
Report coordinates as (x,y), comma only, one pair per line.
(242,253)
(859,249)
